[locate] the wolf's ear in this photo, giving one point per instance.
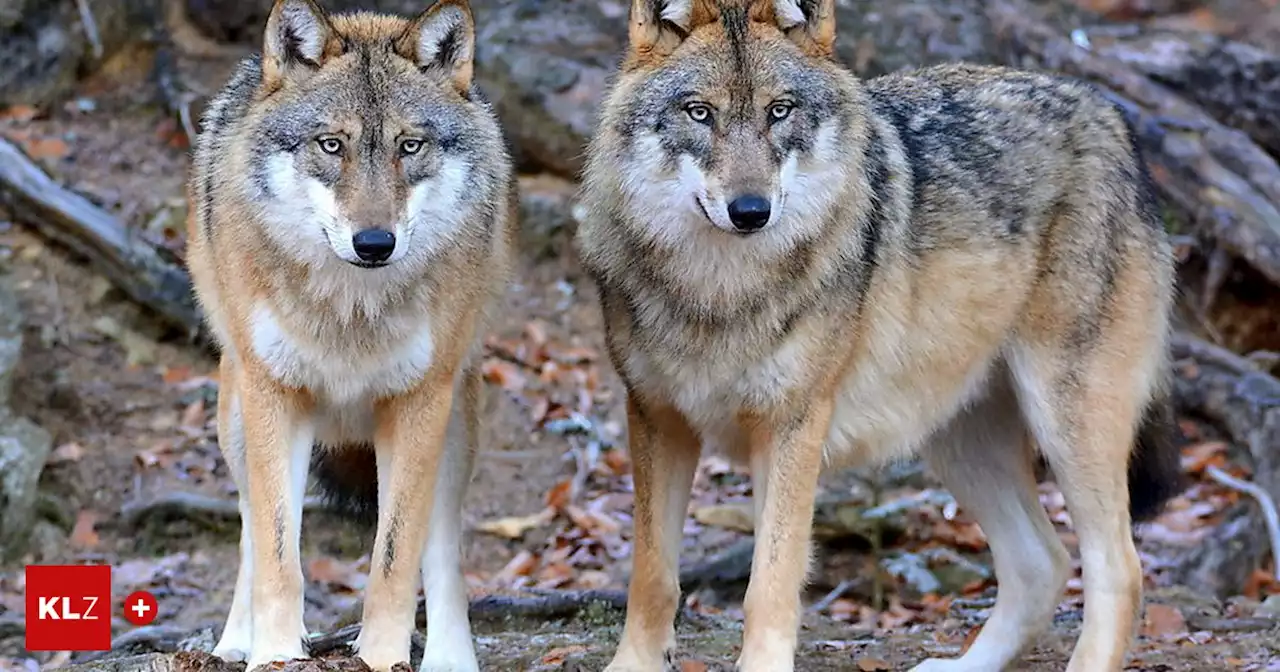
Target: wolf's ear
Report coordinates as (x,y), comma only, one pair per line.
(659,26)
(443,37)
(298,33)
(809,23)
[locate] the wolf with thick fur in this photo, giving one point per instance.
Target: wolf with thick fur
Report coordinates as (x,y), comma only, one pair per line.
(807,269)
(351,224)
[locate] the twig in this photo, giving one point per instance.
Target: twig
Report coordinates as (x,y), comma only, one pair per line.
(189,505)
(830,598)
(90,27)
(1216,624)
(1269,512)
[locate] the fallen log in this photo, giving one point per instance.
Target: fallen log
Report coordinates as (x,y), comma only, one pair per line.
(131,264)
(1227,187)
(1243,401)
(1238,84)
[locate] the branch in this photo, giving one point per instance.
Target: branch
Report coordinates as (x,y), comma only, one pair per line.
(134,266)
(1224,184)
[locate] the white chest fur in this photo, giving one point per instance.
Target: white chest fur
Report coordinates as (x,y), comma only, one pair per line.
(351,369)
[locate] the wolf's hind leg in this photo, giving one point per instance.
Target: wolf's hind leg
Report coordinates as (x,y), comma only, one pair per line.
(1083,412)
(984,457)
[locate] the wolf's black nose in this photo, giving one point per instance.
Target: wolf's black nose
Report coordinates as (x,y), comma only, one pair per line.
(374,244)
(749,213)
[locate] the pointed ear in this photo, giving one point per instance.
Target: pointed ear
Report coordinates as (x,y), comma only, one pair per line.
(298,34)
(659,26)
(443,37)
(809,23)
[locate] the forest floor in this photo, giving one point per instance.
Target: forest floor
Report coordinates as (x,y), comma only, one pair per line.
(131,410)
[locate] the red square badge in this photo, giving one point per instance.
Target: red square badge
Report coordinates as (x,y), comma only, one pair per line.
(68,608)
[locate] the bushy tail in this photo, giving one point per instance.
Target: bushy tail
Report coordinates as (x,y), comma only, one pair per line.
(347,479)
(1155,468)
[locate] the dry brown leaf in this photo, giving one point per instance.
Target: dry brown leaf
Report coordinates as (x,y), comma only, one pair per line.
(1197,458)
(873,665)
(560,653)
(46,148)
(592,521)
(1162,620)
(616,461)
(693,666)
(514,527)
(502,373)
(560,494)
(19,113)
(192,419)
(83,536)
(332,571)
(67,452)
(156,455)
(969,639)
(734,516)
(522,564)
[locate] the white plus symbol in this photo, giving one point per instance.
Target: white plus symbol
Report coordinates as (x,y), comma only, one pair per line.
(141,608)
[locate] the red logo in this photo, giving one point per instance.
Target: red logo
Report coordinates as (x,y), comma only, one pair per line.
(68,607)
(140,607)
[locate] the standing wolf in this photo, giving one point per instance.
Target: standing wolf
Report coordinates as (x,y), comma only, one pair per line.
(350,224)
(804,269)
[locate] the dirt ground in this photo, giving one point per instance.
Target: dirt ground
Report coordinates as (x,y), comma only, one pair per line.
(131,410)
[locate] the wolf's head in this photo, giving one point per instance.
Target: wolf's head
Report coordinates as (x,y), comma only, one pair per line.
(730,114)
(364,139)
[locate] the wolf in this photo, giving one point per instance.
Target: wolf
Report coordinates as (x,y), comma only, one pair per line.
(809,270)
(351,226)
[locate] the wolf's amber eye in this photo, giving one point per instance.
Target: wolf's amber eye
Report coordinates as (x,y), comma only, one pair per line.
(410,146)
(331,145)
(698,112)
(780,111)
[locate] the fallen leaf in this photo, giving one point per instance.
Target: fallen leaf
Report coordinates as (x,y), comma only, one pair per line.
(522,564)
(734,516)
(336,573)
(514,527)
(1162,620)
(46,148)
(693,666)
(67,452)
(560,494)
(176,374)
(19,113)
(156,455)
(1197,458)
(873,665)
(969,639)
(560,653)
(193,417)
(83,536)
(616,461)
(502,373)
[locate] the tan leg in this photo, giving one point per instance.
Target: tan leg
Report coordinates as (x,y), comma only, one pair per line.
(664,455)
(985,459)
(781,561)
(449,647)
(411,434)
(1087,431)
(278,437)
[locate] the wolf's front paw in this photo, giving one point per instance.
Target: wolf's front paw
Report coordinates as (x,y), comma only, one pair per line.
(626,660)
(450,659)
